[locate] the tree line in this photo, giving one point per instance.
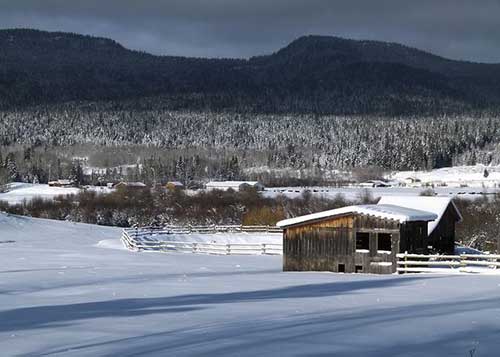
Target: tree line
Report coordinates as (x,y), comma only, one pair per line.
(188,145)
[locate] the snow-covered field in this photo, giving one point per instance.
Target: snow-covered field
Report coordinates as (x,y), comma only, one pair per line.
(459,181)
(25,191)
(472,176)
(223,238)
(18,192)
(353,193)
(71,290)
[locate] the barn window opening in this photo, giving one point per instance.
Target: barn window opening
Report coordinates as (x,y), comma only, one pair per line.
(359,268)
(341,268)
(362,241)
(384,242)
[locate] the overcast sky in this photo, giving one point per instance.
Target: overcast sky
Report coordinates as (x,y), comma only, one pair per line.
(459,29)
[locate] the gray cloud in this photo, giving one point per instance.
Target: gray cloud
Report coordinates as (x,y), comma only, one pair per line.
(460,29)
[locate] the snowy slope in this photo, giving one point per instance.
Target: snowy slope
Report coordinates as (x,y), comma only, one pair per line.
(26,191)
(353,193)
(472,176)
(65,291)
(18,192)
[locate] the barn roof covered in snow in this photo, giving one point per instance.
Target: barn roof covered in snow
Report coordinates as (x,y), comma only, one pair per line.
(387,211)
(436,205)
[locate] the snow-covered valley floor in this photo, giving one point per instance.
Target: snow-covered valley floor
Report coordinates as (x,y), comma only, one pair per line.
(19,192)
(71,290)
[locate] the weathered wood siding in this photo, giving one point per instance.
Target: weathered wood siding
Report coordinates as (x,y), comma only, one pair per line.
(414,237)
(330,245)
(318,249)
(442,239)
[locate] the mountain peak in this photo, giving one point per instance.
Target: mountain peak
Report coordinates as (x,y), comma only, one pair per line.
(31,38)
(349,50)
(313,73)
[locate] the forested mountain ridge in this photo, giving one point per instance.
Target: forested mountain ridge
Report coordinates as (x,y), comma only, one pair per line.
(314,74)
(335,49)
(39,67)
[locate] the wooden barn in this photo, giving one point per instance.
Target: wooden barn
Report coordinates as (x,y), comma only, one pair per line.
(174,185)
(440,232)
(363,238)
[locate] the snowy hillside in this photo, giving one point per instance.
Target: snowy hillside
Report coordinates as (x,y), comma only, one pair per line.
(71,290)
(18,192)
(354,193)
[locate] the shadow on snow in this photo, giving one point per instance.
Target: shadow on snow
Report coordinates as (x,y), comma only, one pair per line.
(45,316)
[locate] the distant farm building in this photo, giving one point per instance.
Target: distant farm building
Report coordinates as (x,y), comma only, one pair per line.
(374,183)
(234,185)
(174,185)
(130,185)
(367,238)
(62,183)
(412,182)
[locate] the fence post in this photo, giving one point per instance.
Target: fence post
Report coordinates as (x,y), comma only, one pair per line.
(463,263)
(228,249)
(264,248)
(124,240)
(406,260)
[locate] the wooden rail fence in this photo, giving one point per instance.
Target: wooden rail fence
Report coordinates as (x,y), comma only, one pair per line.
(205,229)
(152,239)
(418,263)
